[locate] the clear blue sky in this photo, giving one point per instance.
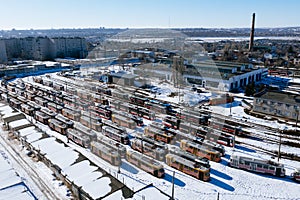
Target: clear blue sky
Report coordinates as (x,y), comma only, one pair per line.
(45,14)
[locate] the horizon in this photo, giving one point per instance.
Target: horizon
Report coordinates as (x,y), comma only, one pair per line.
(55,14)
(79,28)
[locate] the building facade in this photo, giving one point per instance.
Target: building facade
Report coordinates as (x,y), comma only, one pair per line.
(278,104)
(220,76)
(41,48)
(3,56)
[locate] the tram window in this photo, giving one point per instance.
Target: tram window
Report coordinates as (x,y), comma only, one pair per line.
(247,163)
(272,168)
(259,165)
(265,166)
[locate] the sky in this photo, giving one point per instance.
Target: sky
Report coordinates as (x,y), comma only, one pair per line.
(47,14)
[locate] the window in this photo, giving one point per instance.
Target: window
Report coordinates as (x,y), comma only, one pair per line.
(259,166)
(296,107)
(271,110)
(279,112)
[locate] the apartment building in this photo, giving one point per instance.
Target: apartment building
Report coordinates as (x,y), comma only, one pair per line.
(41,48)
(278,104)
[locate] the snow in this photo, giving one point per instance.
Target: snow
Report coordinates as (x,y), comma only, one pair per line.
(78,169)
(9,178)
(11,184)
(87,178)
(149,193)
(10,114)
(34,136)
(98,188)
(5,109)
(17,192)
(81,173)
(26,131)
(19,123)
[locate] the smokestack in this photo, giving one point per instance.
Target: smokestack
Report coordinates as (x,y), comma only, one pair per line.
(252,33)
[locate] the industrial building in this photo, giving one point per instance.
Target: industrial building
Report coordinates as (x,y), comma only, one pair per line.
(222,76)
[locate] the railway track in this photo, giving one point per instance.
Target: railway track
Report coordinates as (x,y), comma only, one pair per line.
(42,184)
(272,153)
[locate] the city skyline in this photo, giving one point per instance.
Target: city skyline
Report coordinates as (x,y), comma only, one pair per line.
(34,14)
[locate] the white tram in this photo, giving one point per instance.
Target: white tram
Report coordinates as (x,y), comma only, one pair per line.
(257,165)
(296,175)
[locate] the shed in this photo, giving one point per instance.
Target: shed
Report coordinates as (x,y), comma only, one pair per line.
(13,116)
(123,78)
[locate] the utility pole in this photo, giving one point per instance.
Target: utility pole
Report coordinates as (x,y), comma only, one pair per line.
(172,197)
(119,165)
(142,145)
(297,110)
(230,108)
(279,144)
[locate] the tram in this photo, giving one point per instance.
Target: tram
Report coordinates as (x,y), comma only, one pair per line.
(200,150)
(147,164)
(115,134)
(58,126)
(107,153)
(257,165)
(148,149)
(188,167)
(78,137)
